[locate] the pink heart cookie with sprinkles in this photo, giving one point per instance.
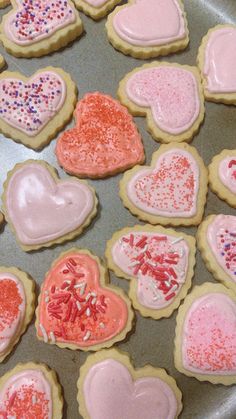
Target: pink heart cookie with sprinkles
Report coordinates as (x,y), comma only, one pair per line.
(171,191)
(30,391)
(77,308)
(222,176)
(33,29)
(216,238)
(169,95)
(159,262)
(205,338)
(33,110)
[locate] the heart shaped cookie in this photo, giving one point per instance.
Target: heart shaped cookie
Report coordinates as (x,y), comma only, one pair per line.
(222,176)
(109,387)
(206,335)
(30,391)
(77,309)
(33,110)
(104,142)
(43,210)
(96,9)
(16,307)
(148,28)
(216,60)
(170,95)
(171,191)
(33,29)
(216,239)
(159,262)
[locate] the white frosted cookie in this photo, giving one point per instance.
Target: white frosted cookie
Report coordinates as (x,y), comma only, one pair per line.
(222,176)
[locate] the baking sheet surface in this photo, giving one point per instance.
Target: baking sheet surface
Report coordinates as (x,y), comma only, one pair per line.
(95,65)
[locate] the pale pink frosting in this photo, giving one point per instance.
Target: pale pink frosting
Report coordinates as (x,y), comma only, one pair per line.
(96,3)
(149,261)
(209,335)
(170,92)
(29,106)
(14,396)
(150,22)
(220,58)
(227,172)
(221,237)
(9,331)
(37,20)
(170,189)
(42,210)
(110,392)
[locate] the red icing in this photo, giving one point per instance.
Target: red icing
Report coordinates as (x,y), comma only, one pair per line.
(71,313)
(104,140)
(27,403)
(10,300)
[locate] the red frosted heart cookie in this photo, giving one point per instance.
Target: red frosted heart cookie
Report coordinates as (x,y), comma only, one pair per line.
(30,391)
(171,191)
(105,140)
(205,340)
(77,309)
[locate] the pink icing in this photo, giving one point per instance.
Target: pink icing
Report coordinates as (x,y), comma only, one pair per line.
(159,263)
(227,172)
(26,394)
(96,3)
(220,58)
(30,106)
(36,20)
(170,92)
(150,22)
(221,237)
(170,189)
(209,335)
(110,392)
(42,210)
(9,328)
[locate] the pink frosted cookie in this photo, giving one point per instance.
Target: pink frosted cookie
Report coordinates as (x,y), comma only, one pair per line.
(33,29)
(96,9)
(170,191)
(159,262)
(78,308)
(109,387)
(169,95)
(205,339)
(216,238)
(33,110)
(222,176)
(52,211)
(104,141)
(216,60)
(148,28)
(16,307)
(30,391)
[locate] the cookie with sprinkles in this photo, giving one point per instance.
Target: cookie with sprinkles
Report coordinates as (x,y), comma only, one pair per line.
(52,211)
(96,9)
(78,308)
(222,176)
(216,239)
(33,110)
(30,391)
(171,191)
(169,95)
(159,263)
(110,387)
(205,335)
(17,303)
(34,29)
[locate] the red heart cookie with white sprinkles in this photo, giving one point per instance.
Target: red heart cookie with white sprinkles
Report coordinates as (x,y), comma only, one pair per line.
(77,309)
(30,391)
(171,191)
(159,262)
(105,140)
(33,29)
(205,339)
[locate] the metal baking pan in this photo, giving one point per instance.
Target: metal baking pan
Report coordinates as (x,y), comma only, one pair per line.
(95,65)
